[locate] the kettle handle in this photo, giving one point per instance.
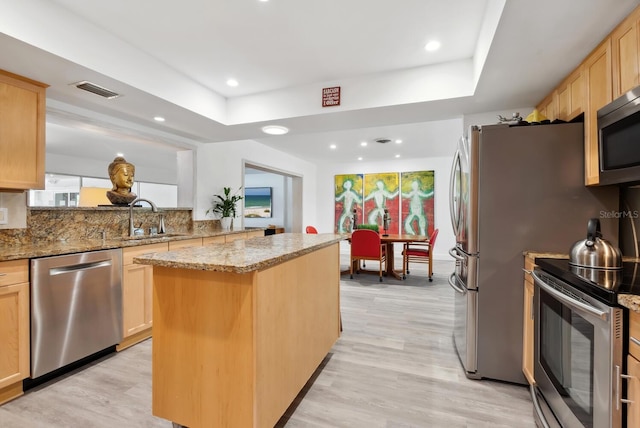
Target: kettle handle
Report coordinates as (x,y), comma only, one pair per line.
(593,231)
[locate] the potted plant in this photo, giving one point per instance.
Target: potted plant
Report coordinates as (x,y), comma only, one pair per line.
(225,206)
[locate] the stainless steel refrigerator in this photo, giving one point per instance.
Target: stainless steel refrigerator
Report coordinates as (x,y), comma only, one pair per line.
(513,189)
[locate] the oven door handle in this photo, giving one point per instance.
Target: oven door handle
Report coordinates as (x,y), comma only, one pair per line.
(568,300)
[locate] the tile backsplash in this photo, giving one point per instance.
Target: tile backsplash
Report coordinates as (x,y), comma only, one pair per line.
(51,224)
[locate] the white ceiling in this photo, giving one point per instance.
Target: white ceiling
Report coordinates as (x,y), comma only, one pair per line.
(173,58)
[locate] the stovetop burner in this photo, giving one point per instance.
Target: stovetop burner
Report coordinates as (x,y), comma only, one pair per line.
(603,285)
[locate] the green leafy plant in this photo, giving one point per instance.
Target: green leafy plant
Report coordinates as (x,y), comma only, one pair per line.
(373,227)
(225,205)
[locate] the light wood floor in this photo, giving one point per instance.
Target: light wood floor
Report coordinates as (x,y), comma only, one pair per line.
(393,367)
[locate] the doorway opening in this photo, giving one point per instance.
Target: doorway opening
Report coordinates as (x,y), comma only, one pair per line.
(285,208)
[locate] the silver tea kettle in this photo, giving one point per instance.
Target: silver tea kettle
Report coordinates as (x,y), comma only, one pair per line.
(595,252)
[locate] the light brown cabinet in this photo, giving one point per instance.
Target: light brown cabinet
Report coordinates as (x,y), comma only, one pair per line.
(549,106)
(185,243)
(213,240)
(597,71)
(137,294)
(235,237)
(633,371)
(609,71)
(22,129)
(254,233)
(571,94)
(527,332)
(625,53)
(14,327)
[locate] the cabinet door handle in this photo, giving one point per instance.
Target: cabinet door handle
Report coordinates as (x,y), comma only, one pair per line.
(634,340)
(620,399)
(3,274)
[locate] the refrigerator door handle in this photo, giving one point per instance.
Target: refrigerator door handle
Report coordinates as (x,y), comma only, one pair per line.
(455,216)
(453,252)
(456,287)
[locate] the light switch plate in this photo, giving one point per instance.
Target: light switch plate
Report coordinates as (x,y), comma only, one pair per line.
(4,216)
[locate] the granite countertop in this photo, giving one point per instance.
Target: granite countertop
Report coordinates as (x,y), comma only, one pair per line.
(60,247)
(629,301)
(243,256)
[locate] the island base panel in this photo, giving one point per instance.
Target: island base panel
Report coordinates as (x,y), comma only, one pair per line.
(234,350)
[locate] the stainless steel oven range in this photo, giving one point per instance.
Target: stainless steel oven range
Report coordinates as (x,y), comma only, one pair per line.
(579,343)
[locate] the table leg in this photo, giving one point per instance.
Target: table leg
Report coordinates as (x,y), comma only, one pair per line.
(390,262)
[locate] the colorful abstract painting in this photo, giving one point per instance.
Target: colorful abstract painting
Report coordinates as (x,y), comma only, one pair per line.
(417,202)
(381,192)
(348,198)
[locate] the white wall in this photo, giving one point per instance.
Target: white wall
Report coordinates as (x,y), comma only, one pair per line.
(221,165)
(69,165)
(446,141)
(442,170)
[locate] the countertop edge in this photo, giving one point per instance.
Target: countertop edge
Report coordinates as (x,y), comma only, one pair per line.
(266,257)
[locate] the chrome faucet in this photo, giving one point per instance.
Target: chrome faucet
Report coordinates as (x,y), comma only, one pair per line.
(133,203)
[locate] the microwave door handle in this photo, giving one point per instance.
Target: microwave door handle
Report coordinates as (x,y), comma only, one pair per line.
(568,300)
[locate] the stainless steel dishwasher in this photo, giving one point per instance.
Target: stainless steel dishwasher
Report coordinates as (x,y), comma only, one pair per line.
(76,307)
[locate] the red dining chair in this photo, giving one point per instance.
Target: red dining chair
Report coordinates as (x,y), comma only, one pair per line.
(311,229)
(367,245)
(419,252)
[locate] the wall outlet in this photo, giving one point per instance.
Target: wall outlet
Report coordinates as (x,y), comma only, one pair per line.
(4,215)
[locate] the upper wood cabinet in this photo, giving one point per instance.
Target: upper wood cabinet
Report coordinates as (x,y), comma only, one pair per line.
(625,53)
(597,71)
(22,129)
(549,106)
(571,94)
(611,69)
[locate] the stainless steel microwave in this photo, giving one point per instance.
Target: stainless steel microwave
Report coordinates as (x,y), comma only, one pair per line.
(619,139)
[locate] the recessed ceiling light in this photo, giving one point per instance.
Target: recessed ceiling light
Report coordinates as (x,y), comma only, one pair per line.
(159,119)
(433,45)
(263,1)
(120,154)
(360,158)
(398,141)
(333,146)
(232,82)
(363,144)
(397,156)
(275,130)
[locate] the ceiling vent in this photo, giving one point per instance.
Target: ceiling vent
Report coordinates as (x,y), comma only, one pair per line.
(96,89)
(383,140)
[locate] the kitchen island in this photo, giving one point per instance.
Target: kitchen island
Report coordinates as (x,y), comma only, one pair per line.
(240,327)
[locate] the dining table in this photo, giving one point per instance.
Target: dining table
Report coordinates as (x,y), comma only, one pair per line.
(390,239)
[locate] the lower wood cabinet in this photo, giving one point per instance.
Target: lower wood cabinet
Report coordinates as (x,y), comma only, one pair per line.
(528,333)
(137,294)
(14,328)
(185,243)
(633,371)
(254,233)
(633,392)
(213,240)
